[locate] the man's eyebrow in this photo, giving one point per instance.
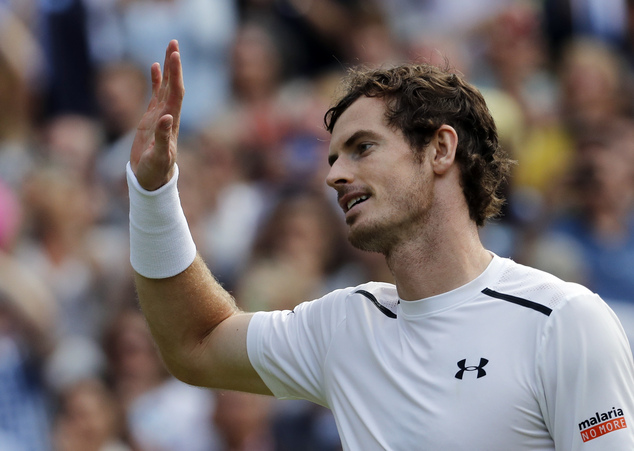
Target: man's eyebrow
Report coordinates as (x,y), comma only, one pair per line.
(358,135)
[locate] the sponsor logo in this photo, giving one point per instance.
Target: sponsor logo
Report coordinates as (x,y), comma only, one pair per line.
(602,423)
(463,367)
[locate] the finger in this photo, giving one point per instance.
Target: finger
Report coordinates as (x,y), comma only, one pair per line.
(176,90)
(171,48)
(168,52)
(155,75)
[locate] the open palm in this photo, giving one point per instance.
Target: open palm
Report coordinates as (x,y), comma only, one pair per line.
(153,151)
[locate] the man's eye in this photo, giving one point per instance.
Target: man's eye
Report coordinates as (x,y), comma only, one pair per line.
(364,147)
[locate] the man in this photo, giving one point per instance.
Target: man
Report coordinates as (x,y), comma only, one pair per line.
(467,351)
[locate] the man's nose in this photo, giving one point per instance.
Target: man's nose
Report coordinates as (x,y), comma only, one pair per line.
(340,173)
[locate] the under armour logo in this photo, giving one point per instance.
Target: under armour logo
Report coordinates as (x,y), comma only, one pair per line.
(480,368)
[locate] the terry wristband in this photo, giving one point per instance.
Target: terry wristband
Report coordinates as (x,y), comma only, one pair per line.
(161,244)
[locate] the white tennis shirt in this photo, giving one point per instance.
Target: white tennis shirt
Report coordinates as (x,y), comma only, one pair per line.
(514,360)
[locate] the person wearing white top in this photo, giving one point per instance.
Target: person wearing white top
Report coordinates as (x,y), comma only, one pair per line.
(465,351)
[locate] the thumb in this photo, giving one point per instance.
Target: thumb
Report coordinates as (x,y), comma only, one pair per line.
(163,134)
(156,164)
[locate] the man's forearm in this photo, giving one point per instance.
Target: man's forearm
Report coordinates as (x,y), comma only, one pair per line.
(182,311)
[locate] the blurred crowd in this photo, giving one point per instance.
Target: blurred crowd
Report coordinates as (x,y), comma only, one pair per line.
(78,369)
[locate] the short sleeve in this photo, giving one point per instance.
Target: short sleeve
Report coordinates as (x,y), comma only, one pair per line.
(586,370)
(288,348)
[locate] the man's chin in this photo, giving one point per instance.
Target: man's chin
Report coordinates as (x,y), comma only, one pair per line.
(369,239)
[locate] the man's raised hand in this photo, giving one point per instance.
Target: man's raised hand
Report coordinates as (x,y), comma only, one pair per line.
(154,148)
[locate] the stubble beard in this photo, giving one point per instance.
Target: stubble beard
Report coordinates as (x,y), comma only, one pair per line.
(372,238)
(384,234)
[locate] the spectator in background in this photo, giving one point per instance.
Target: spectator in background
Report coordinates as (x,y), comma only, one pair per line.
(591,91)
(257,117)
(67,239)
(10,218)
(195,196)
(248,422)
(27,318)
(274,123)
(597,221)
(593,85)
(72,147)
(629,44)
(64,246)
(73,142)
(243,422)
(513,73)
(369,41)
(566,20)
(21,61)
(69,68)
(121,91)
(231,203)
(89,419)
(299,250)
(310,36)
(589,236)
(59,218)
(590,94)
(24,10)
(514,61)
(306,426)
(162,414)
(206,28)
(408,17)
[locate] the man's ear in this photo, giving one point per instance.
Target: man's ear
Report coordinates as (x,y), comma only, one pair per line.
(444,145)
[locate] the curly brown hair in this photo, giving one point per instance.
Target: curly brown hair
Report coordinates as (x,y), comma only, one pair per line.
(419,99)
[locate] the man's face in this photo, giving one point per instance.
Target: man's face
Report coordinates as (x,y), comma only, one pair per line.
(384,189)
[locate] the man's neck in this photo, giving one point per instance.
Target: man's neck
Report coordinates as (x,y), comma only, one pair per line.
(427,266)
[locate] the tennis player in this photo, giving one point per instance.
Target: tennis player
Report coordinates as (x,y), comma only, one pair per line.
(467,351)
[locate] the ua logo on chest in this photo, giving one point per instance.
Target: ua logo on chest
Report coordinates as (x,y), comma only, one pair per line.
(464,368)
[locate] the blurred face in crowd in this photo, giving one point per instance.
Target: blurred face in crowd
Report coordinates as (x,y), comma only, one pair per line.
(241,416)
(605,174)
(255,63)
(383,187)
(121,94)
(73,141)
(133,353)
(304,230)
(591,84)
(88,418)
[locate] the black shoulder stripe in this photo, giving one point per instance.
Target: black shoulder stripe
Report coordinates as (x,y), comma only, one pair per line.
(519,301)
(387,312)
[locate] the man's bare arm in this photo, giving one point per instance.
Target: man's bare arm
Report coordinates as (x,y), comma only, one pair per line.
(200,332)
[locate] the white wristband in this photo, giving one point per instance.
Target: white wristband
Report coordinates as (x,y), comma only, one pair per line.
(161,244)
